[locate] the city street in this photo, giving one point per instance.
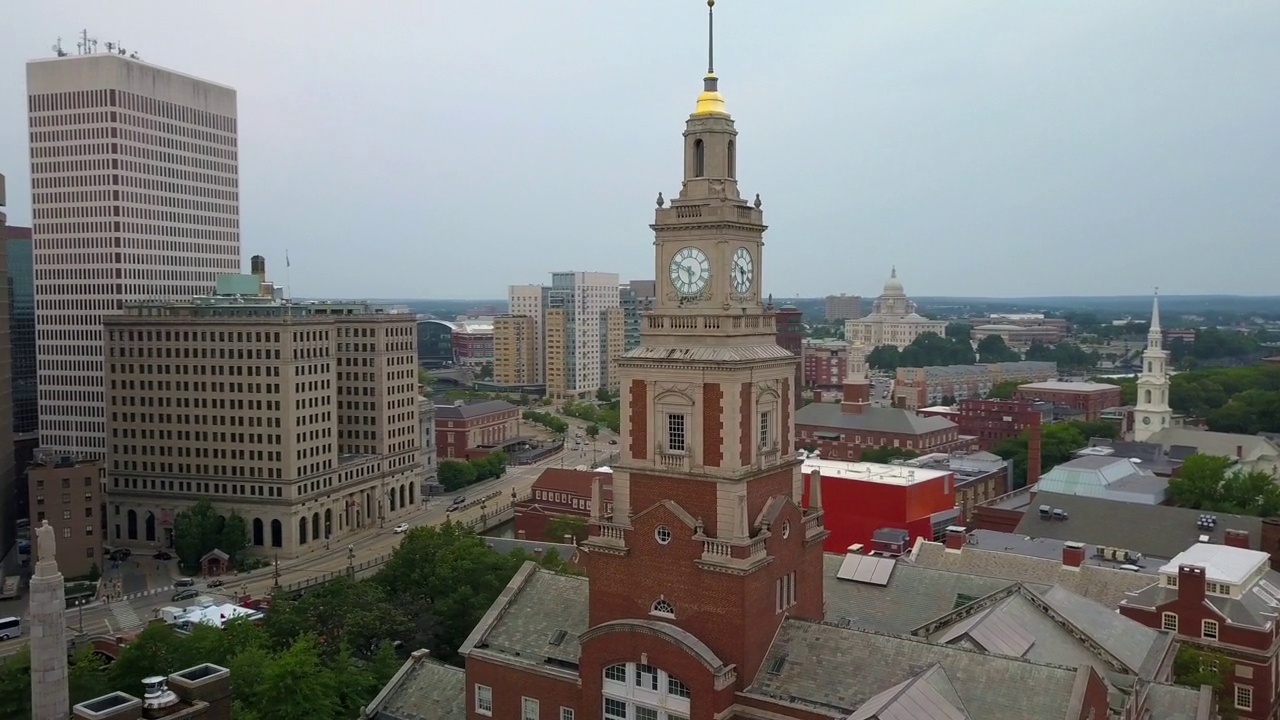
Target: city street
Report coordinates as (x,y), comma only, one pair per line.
(100,618)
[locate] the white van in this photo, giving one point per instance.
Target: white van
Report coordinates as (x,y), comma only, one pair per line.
(10,627)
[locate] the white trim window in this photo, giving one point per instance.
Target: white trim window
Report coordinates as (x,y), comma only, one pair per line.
(766,429)
(484,700)
(1209,629)
(785,591)
(1244,697)
(529,709)
(566,713)
(635,691)
(677,432)
(1169,621)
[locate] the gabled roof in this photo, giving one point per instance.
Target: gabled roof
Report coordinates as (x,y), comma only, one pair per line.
(1252,447)
(837,671)
(1158,530)
(1106,476)
(1102,585)
(872,419)
(577,482)
(927,696)
(472,410)
(535,621)
(422,688)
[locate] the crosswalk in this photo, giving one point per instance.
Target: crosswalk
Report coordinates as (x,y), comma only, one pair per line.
(126,618)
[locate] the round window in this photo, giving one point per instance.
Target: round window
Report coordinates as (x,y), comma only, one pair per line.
(786,529)
(663,534)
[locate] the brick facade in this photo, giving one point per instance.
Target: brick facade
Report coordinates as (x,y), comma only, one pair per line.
(712,425)
(461,428)
(639,419)
(1090,399)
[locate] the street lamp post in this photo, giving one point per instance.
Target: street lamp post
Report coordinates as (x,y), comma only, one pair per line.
(351,561)
(275,574)
(80,603)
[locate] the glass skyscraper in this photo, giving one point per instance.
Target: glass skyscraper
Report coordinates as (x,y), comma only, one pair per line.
(22,329)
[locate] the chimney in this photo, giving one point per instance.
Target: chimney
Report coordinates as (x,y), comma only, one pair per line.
(1072,554)
(1033,451)
(1271,540)
(207,683)
(520,535)
(597,505)
(1190,585)
(1236,538)
(955,538)
(1240,452)
(817,396)
(815,489)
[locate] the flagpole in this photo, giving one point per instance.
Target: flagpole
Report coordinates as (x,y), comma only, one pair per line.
(288,283)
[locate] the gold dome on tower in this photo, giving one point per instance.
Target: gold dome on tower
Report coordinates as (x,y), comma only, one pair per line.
(710,101)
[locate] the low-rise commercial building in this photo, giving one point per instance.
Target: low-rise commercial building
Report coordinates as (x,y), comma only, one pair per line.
(1088,399)
(472,342)
(66,490)
(979,476)
(300,416)
(1018,336)
(484,426)
(559,492)
(937,384)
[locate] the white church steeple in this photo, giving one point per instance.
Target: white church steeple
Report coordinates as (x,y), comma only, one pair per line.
(1152,413)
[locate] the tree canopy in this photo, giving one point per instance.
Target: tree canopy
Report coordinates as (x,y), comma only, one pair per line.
(1210,482)
(562,525)
(992,349)
(605,414)
(926,350)
(1068,355)
(200,528)
(1058,441)
(456,474)
(1238,399)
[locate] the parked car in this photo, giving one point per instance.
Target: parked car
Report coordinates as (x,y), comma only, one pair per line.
(457,503)
(613,441)
(187,594)
(162,555)
(184,582)
(120,554)
(401,528)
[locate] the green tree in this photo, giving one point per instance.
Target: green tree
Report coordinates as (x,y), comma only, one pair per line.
(455,474)
(962,331)
(1194,667)
(15,685)
(593,430)
(297,686)
(200,528)
(1211,482)
(87,676)
(886,454)
(992,349)
(562,525)
(547,420)
(1003,390)
(425,378)
(603,395)
(1058,442)
(346,616)
(884,357)
(490,466)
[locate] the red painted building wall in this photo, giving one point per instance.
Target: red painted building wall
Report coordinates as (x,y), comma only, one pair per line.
(855,509)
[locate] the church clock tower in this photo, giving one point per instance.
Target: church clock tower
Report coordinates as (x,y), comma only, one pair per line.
(1152,413)
(707,547)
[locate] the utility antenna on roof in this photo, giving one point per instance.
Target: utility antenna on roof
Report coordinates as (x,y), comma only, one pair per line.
(57,48)
(87,45)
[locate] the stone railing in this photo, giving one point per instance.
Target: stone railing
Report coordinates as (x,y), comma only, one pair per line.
(610,531)
(672,461)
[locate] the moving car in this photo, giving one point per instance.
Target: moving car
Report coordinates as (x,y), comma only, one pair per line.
(184,582)
(457,503)
(120,554)
(214,583)
(613,441)
(185,594)
(401,528)
(162,555)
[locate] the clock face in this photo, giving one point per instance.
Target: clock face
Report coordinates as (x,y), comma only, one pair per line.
(690,271)
(742,271)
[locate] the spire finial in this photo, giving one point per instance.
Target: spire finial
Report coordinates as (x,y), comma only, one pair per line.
(893,271)
(711,37)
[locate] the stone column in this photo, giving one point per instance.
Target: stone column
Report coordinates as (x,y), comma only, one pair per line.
(47,627)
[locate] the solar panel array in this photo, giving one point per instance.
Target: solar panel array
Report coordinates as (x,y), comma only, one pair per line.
(867,569)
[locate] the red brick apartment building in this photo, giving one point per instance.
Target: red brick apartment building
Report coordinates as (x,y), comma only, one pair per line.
(1088,398)
(925,386)
(1222,599)
(826,363)
(994,421)
(559,492)
(467,426)
(789,321)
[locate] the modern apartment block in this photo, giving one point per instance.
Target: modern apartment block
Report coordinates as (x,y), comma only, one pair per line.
(302,417)
(843,307)
(635,297)
(135,197)
(515,350)
(581,327)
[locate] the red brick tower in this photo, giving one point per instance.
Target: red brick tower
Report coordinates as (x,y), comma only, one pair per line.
(707,548)
(857,386)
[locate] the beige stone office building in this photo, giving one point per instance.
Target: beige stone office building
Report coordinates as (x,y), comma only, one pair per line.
(515,350)
(135,196)
(581,330)
(301,416)
(528,301)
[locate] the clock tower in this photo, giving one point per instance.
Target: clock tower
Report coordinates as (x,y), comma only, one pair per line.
(1152,413)
(707,547)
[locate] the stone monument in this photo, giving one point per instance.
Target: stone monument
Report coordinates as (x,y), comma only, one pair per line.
(47,626)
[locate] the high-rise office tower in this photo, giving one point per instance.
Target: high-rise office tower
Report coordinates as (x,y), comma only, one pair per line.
(582,333)
(135,196)
(8,503)
(530,301)
(636,297)
(22,327)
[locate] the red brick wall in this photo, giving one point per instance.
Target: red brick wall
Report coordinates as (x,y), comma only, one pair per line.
(618,647)
(639,418)
(786,418)
(746,424)
(697,498)
(510,685)
(712,425)
(1094,705)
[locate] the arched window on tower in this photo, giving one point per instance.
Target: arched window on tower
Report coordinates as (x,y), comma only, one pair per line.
(699,158)
(663,608)
(637,690)
(733,160)
(1147,396)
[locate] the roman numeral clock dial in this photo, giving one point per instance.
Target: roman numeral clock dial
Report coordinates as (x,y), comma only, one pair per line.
(742,271)
(690,271)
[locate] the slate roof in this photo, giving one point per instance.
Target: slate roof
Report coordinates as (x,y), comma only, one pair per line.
(836,671)
(423,689)
(927,696)
(1102,585)
(1157,530)
(913,597)
(524,622)
(472,410)
(1223,444)
(872,418)
(1175,702)
(1140,648)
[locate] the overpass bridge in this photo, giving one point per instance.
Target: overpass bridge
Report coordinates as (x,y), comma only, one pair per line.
(455,375)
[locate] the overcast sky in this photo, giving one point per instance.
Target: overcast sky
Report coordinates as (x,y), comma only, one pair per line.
(448,148)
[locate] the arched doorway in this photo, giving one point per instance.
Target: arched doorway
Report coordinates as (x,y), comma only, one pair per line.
(402,493)
(258,532)
(151,526)
(132,523)
(277,533)
(328,524)
(315,526)
(302,530)
(411,499)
